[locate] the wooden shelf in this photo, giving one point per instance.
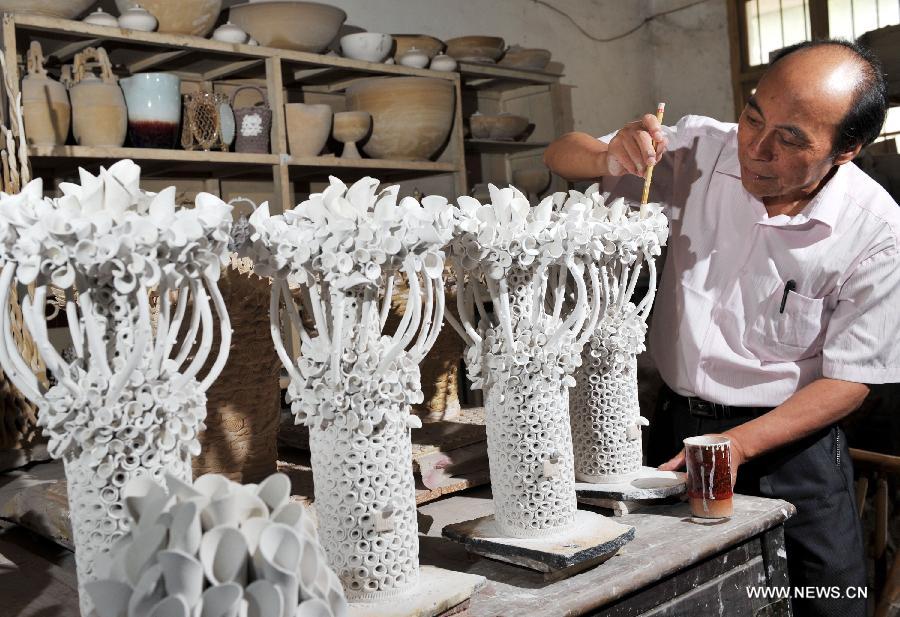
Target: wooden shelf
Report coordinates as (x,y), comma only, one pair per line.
(351,169)
(65,160)
(500,146)
(480,76)
(203,61)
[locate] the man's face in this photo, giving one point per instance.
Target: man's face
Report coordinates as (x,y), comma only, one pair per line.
(786,131)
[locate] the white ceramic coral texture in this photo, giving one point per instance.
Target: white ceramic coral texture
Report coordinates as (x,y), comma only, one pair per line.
(282,574)
(535,266)
(353,384)
(130,404)
(605,415)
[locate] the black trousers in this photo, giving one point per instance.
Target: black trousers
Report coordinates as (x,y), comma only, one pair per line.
(824,539)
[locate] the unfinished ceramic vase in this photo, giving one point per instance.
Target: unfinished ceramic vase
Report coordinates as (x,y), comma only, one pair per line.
(99,113)
(352,384)
(124,406)
(45,103)
(216,548)
(605,415)
(522,354)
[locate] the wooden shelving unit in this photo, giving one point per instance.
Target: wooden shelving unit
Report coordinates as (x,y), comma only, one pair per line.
(537,95)
(285,75)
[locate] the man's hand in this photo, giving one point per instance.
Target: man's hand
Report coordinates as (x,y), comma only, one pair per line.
(737,457)
(632,149)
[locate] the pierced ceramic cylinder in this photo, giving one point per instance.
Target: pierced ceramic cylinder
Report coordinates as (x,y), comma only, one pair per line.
(526,411)
(605,415)
(366,506)
(352,385)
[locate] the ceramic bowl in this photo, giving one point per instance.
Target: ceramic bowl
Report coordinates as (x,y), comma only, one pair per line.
(67,9)
(195,18)
(522,58)
(476,48)
(531,180)
(428,44)
(289,24)
(411,116)
(500,126)
(368,46)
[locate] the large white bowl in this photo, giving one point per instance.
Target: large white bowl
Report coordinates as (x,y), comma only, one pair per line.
(67,9)
(289,24)
(368,46)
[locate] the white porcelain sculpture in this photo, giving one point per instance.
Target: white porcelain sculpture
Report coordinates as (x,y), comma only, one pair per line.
(605,415)
(522,354)
(129,403)
(216,549)
(352,384)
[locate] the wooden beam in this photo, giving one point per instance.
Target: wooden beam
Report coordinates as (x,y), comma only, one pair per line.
(230,69)
(66,52)
(884,462)
(306,74)
(280,172)
(156,59)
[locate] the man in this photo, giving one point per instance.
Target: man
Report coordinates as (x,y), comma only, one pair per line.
(780,297)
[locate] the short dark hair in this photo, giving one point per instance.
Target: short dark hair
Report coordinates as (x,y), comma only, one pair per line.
(864,121)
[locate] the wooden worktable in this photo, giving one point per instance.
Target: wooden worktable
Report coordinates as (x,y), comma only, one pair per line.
(675,566)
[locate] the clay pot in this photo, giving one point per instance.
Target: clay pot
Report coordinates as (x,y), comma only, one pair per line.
(229,33)
(138,18)
(196,17)
(430,45)
(411,116)
(308,128)
(443,62)
(414,58)
(101,18)
(368,46)
(45,102)
(500,126)
(67,9)
(522,58)
(289,24)
(154,109)
(99,114)
(531,180)
(476,48)
(349,128)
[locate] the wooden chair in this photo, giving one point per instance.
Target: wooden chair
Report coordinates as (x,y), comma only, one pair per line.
(874,468)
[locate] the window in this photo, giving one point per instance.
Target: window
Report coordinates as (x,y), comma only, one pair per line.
(760,27)
(773,24)
(847,19)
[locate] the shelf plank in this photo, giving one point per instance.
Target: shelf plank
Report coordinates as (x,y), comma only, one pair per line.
(152,154)
(499,146)
(374,164)
(482,76)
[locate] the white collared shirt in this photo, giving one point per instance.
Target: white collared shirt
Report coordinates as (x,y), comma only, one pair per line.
(718,329)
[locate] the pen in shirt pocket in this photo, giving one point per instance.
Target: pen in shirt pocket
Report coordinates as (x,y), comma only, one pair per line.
(790,286)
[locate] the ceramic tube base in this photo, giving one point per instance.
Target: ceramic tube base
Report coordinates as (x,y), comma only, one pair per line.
(593,539)
(436,592)
(649,484)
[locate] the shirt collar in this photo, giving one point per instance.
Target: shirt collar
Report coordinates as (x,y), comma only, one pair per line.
(823,208)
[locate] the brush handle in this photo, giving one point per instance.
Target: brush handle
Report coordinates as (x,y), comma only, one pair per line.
(648,176)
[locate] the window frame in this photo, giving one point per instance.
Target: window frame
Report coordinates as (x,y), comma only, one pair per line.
(745,77)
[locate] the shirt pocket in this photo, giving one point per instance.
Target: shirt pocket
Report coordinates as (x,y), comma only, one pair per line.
(794,334)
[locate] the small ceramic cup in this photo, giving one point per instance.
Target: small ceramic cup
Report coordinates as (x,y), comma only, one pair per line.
(708,461)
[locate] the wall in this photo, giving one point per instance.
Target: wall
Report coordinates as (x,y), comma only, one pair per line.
(691,59)
(610,79)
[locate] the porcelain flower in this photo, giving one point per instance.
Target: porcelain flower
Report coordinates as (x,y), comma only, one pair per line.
(216,547)
(350,237)
(109,230)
